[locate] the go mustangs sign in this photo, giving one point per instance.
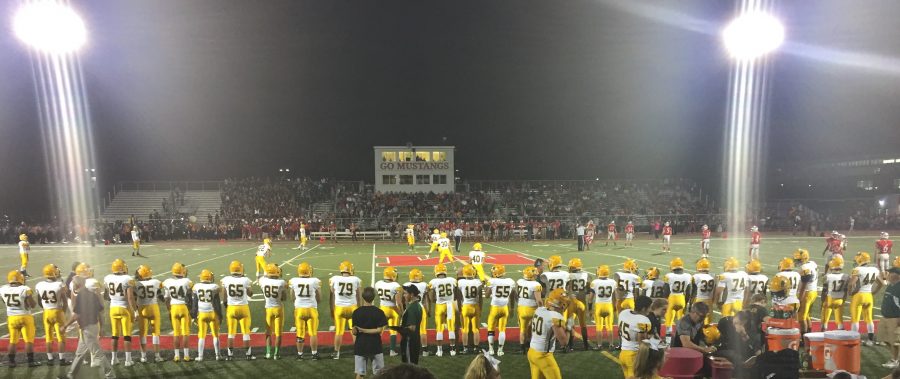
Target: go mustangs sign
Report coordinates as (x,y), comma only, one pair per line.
(415,165)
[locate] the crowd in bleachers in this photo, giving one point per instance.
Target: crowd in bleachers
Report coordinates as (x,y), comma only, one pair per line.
(270,198)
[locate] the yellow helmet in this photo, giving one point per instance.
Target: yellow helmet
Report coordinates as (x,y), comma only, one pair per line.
(897,261)
(273,271)
(557,299)
(24,237)
(416,275)
(703,264)
(346,266)
(436,231)
(236,267)
(468,271)
(498,270)
(603,271)
(390,273)
(786,264)
(529,273)
(476,246)
(15,276)
(863,258)
(653,273)
(178,269)
(83,270)
(778,284)
(119,267)
(732,264)
(144,272)
(676,263)
(630,265)
(51,271)
(206,276)
(711,334)
(836,263)
(443,234)
(440,269)
(410,226)
(801,255)
(304,270)
(754,267)
(554,261)
(267,242)
(575,264)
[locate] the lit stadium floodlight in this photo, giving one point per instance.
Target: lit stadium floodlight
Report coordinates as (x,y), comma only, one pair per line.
(752,35)
(50,27)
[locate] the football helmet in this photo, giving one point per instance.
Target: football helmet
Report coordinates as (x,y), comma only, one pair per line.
(629,222)
(554,261)
(885,235)
(613,222)
(754,228)
(416,275)
(630,265)
(24,237)
(390,273)
(83,270)
(705,227)
(346,267)
(836,263)
(272,270)
(754,267)
(468,271)
(863,258)
(178,269)
(676,264)
(529,273)
(144,272)
(440,269)
(119,267)
(498,270)
(896,262)
(603,271)
(667,223)
(304,270)
(236,268)
(436,231)
(778,284)
(15,277)
(801,255)
(443,234)
(652,273)
(711,334)
(557,299)
(575,264)
(732,264)
(51,272)
(206,276)
(703,265)
(267,242)
(476,246)
(786,264)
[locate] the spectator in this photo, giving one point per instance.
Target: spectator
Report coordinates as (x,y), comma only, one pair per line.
(688,331)
(649,360)
(657,311)
(404,371)
(368,324)
(483,366)
(889,328)
(87,311)
(410,342)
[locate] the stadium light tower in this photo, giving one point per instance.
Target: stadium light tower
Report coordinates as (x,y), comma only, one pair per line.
(750,39)
(55,33)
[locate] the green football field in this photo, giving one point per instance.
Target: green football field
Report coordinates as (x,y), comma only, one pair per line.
(369,259)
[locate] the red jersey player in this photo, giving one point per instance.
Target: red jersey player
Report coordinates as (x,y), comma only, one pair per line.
(629,234)
(755,237)
(883,246)
(704,241)
(667,238)
(834,246)
(611,233)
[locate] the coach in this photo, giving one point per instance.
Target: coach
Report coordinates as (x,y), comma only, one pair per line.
(579,234)
(889,328)
(86,311)
(410,342)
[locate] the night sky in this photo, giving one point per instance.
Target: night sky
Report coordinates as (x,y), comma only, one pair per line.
(208,89)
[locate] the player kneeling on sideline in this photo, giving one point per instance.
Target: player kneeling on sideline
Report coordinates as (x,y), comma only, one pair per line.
(501,290)
(306,301)
(236,289)
(19,302)
(548,326)
(368,324)
(209,312)
(148,291)
(388,292)
(272,287)
(52,294)
(344,300)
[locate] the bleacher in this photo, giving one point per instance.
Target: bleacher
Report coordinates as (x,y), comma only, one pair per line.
(142,203)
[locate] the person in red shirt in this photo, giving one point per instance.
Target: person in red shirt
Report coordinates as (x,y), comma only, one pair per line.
(883,247)
(833,246)
(705,233)
(629,234)
(755,237)
(667,238)
(611,232)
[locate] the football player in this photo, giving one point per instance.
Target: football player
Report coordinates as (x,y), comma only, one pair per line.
(833,246)
(435,236)
(303,237)
(578,286)
(548,329)
(19,301)
(262,252)
(500,289)
(757,282)
(178,296)
(835,293)
(411,237)
(344,299)
(443,290)
(273,290)
(417,278)
(120,293)
(862,279)
(52,294)
(667,239)
(792,283)
(209,312)
(470,290)
(306,301)
(732,284)
(652,286)
(705,233)
(529,291)
(755,238)
(444,248)
(677,283)
(629,234)
(627,284)
(634,327)
(603,290)
(135,241)
(237,289)
(555,278)
(24,249)
(148,292)
(388,291)
(703,287)
(476,259)
(808,290)
(611,233)
(884,246)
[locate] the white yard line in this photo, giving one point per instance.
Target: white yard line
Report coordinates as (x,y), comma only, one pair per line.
(298,256)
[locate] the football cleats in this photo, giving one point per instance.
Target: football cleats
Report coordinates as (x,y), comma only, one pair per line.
(786,264)
(476,246)
(144,272)
(801,255)
(15,277)
(178,269)
(529,273)
(630,265)
(119,267)
(207,276)
(603,271)
(557,299)
(575,264)
(51,272)
(554,261)
(273,271)
(863,258)
(498,270)
(304,270)
(390,273)
(236,268)
(652,273)
(754,267)
(440,269)
(676,264)
(468,271)
(416,275)
(703,265)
